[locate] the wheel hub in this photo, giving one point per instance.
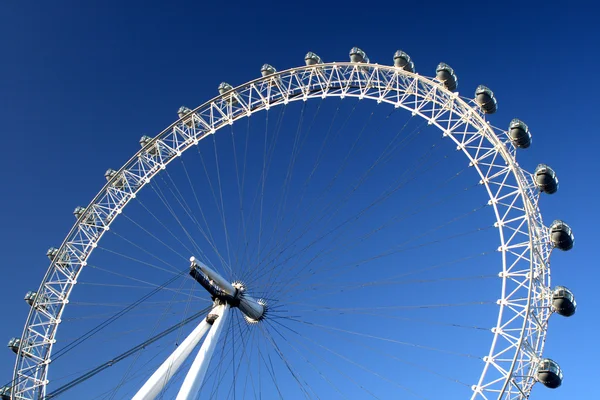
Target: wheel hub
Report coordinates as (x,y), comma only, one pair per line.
(233,294)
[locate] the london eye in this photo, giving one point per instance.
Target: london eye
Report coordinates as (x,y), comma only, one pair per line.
(334,230)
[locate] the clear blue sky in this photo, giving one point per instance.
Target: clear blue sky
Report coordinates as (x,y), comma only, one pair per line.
(79,84)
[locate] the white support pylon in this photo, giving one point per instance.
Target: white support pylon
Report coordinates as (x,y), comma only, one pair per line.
(163,374)
(195,376)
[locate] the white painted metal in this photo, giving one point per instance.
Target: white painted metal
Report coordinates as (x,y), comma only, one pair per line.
(524,304)
(163,374)
(195,376)
(214,276)
(252,309)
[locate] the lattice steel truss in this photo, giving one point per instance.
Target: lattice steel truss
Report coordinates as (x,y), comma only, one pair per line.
(524,304)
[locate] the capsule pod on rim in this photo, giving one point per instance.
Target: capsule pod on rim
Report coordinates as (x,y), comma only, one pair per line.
(549,373)
(402,60)
(486,100)
(561,235)
(267,69)
(184,111)
(311,59)
(518,131)
(357,55)
(78,212)
(563,301)
(446,75)
(15,345)
(145,141)
(110,174)
(224,88)
(51,253)
(546,179)
(30,297)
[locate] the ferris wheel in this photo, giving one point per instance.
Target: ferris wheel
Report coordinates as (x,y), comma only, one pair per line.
(336,248)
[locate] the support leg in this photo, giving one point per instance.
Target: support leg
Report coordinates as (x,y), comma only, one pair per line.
(161,377)
(193,380)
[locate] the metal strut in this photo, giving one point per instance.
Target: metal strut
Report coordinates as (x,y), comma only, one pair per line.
(195,376)
(225,296)
(163,374)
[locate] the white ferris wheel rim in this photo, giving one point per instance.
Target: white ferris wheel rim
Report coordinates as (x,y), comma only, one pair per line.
(516,347)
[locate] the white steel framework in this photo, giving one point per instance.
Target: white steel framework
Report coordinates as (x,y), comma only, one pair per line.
(195,376)
(524,304)
(171,365)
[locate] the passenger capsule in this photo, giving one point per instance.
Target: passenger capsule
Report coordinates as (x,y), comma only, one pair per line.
(545,179)
(358,56)
(78,212)
(5,392)
(446,75)
(311,59)
(118,183)
(563,301)
(51,253)
(486,100)
(561,235)
(549,373)
(402,60)
(182,112)
(225,87)
(30,297)
(14,344)
(109,174)
(145,141)
(519,133)
(267,70)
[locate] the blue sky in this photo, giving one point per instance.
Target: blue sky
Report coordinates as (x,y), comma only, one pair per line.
(81,83)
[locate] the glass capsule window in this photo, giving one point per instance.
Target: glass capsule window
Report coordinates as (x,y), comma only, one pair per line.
(445,67)
(313,56)
(356,50)
(560,225)
(483,89)
(550,366)
(563,292)
(517,123)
